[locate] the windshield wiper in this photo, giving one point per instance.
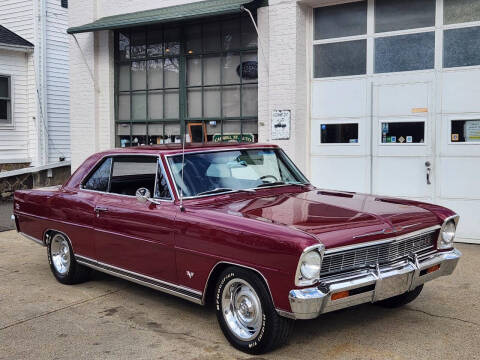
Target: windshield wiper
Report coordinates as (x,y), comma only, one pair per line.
(214,191)
(221,190)
(271,183)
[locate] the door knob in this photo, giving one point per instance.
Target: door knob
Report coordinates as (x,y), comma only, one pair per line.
(427,163)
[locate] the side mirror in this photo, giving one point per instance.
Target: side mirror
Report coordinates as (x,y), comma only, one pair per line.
(143,195)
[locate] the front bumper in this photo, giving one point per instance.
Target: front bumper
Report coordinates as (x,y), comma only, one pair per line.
(371,285)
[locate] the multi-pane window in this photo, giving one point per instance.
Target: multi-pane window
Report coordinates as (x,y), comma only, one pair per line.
(403,34)
(200,78)
(5,101)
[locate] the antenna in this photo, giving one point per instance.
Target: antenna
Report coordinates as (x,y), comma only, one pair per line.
(183,165)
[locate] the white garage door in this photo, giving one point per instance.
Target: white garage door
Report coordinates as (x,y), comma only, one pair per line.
(395,109)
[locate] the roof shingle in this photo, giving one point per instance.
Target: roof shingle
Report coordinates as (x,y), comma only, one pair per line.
(8,37)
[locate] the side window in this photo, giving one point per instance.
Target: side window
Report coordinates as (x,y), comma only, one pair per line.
(99,180)
(162,184)
(129,173)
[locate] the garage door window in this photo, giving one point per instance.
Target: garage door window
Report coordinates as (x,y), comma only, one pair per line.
(339,133)
(403,132)
(465,131)
(460,11)
(340,20)
(461,47)
(392,15)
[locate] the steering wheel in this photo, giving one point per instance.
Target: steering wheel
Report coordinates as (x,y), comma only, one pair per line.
(268,176)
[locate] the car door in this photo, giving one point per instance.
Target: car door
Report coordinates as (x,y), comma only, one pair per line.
(130,235)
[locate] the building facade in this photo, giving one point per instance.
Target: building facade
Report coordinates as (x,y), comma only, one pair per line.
(34,78)
(376,96)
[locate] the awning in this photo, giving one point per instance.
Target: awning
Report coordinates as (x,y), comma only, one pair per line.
(169,14)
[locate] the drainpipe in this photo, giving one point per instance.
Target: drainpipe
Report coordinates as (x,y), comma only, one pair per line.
(43,8)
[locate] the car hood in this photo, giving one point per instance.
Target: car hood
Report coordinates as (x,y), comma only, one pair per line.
(334,218)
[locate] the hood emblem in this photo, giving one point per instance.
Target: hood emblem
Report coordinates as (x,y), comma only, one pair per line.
(190,274)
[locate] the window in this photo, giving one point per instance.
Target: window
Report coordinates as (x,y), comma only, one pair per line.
(340,59)
(339,133)
(405,52)
(163,190)
(461,47)
(168,76)
(403,132)
(230,171)
(5,101)
(465,131)
(460,11)
(340,20)
(100,179)
(64,3)
(392,15)
(129,173)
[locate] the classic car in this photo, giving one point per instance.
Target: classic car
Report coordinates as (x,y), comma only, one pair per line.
(239,227)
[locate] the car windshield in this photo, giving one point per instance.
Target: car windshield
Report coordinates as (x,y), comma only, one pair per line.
(233,170)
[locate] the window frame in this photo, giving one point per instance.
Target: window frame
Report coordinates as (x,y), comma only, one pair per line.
(183,56)
(8,125)
(159,166)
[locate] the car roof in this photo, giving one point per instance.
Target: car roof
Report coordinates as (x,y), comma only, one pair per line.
(172,149)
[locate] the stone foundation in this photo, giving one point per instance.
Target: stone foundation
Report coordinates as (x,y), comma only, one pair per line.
(8,185)
(15,166)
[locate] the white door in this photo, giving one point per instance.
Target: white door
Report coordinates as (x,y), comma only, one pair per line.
(402,138)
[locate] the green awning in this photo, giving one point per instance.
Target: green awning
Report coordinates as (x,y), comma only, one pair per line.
(169,14)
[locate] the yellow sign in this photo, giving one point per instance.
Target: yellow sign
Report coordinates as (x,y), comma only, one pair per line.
(419,110)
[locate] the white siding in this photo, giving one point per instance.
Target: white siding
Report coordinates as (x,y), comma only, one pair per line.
(17,16)
(57,87)
(14,143)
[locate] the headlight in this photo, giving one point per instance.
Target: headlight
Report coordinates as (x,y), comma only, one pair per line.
(447,235)
(310,268)
(309,265)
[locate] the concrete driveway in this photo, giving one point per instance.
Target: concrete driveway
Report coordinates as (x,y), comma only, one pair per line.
(112,318)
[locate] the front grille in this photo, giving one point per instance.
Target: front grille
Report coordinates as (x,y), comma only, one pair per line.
(377,254)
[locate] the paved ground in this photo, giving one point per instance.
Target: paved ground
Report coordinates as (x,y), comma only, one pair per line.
(114,319)
(6,208)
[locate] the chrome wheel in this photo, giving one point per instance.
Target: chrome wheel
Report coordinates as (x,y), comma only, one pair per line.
(242,309)
(60,253)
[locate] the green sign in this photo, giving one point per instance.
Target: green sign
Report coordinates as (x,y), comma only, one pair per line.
(233,138)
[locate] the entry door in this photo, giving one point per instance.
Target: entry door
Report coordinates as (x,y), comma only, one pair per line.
(402,139)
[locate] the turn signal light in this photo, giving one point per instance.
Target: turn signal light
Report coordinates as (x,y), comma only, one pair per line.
(340,295)
(433,268)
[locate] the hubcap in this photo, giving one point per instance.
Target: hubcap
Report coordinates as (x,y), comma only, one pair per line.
(242,309)
(60,252)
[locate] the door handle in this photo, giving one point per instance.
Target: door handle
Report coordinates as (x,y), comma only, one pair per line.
(429,170)
(99,209)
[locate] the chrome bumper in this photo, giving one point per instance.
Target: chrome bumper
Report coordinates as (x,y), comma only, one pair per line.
(370,285)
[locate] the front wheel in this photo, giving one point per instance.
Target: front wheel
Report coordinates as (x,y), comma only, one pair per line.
(246,313)
(62,261)
(402,299)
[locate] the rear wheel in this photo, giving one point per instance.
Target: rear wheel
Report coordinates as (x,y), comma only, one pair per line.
(402,299)
(246,313)
(62,261)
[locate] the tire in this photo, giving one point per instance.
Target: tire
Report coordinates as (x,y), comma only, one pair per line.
(402,299)
(254,306)
(62,261)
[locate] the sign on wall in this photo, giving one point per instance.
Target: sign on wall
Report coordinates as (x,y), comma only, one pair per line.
(472,130)
(281,124)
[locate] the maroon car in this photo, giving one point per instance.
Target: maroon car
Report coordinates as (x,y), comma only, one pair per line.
(240,226)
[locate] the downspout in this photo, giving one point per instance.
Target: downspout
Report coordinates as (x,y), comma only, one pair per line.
(43,20)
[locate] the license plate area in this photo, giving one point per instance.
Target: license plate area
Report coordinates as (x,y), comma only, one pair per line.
(389,286)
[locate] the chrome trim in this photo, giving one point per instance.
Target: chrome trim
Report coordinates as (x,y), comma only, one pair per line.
(456,219)
(383,282)
(169,288)
(230,149)
(14,220)
(34,239)
(286,314)
(383,231)
(383,241)
(47,237)
(299,281)
(234,264)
